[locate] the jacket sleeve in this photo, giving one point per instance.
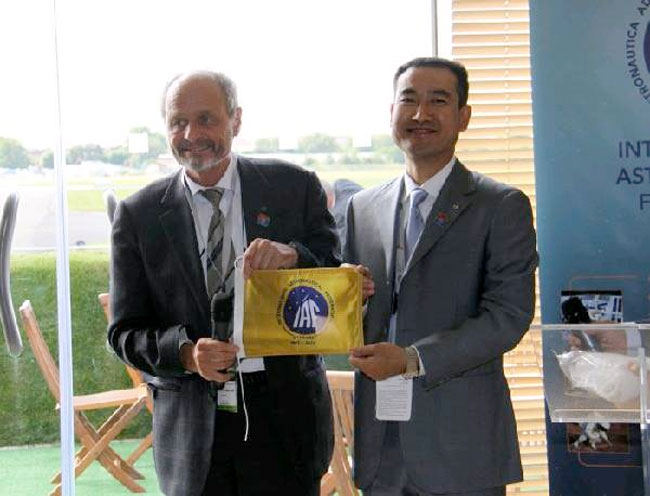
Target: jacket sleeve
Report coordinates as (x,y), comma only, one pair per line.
(319,245)
(134,333)
(506,304)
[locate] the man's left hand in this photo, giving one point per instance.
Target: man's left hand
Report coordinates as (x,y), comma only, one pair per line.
(368,286)
(379,361)
(270,255)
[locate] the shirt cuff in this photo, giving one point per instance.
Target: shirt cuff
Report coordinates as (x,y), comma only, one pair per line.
(183,339)
(421,370)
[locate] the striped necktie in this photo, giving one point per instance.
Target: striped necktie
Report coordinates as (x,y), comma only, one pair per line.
(214,244)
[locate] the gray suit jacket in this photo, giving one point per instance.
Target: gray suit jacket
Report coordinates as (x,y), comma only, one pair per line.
(158,285)
(467,297)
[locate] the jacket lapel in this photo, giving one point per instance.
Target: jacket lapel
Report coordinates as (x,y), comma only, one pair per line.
(261,208)
(178,225)
(256,216)
(388,223)
(454,197)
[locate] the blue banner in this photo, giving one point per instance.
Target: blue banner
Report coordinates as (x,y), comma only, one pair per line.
(591,107)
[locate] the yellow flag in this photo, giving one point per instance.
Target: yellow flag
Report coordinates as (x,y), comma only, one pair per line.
(302,311)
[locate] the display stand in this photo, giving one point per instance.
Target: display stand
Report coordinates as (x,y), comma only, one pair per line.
(604,377)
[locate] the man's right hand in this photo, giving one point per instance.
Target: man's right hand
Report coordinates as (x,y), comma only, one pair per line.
(379,361)
(209,358)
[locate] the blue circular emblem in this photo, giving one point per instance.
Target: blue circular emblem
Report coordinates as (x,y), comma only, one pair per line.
(305,311)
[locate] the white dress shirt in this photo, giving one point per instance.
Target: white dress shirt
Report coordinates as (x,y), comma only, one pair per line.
(432,186)
(234,228)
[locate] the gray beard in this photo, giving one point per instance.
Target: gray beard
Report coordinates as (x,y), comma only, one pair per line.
(196,165)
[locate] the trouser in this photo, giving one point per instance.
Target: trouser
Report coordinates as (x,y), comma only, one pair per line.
(259,466)
(392,479)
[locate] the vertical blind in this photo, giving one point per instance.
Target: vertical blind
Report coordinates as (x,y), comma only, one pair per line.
(491,38)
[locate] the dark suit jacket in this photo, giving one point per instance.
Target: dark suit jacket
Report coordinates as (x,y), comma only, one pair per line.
(158,285)
(467,297)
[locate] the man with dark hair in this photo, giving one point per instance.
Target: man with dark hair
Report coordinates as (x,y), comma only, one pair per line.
(462,83)
(269,430)
(452,255)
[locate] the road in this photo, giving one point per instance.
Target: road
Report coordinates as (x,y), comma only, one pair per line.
(36,222)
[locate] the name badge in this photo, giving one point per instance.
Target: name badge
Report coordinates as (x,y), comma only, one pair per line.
(227,397)
(394,399)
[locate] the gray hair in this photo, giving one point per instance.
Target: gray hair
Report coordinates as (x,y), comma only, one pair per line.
(224,82)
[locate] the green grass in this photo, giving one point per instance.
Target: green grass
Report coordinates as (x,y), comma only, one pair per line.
(27,409)
(27,471)
(28,415)
(92,200)
(131,180)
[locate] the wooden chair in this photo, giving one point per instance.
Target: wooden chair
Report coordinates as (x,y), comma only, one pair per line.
(137,380)
(339,477)
(95,442)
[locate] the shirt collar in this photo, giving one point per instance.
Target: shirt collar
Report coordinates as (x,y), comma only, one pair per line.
(227,181)
(434,184)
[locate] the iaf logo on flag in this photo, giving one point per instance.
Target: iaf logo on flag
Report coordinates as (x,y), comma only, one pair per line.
(305,311)
(300,311)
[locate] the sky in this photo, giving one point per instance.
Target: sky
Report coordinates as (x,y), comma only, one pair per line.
(300,66)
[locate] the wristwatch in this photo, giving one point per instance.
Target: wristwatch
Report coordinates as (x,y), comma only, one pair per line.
(412,363)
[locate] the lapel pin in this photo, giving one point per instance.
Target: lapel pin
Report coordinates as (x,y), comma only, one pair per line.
(455,206)
(263,219)
(441,218)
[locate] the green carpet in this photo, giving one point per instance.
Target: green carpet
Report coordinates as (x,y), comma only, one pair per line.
(26,471)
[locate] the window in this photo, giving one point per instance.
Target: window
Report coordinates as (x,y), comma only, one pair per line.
(491,38)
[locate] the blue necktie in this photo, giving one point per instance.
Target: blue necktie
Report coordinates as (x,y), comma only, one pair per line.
(415,222)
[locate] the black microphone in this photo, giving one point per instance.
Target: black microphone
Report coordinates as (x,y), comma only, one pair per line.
(221,310)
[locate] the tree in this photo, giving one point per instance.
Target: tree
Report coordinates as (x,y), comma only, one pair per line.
(83,153)
(350,158)
(317,143)
(386,150)
(380,141)
(157,141)
(157,144)
(267,145)
(47,159)
(13,155)
(117,155)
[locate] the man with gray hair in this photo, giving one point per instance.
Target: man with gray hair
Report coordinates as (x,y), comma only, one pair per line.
(268,430)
